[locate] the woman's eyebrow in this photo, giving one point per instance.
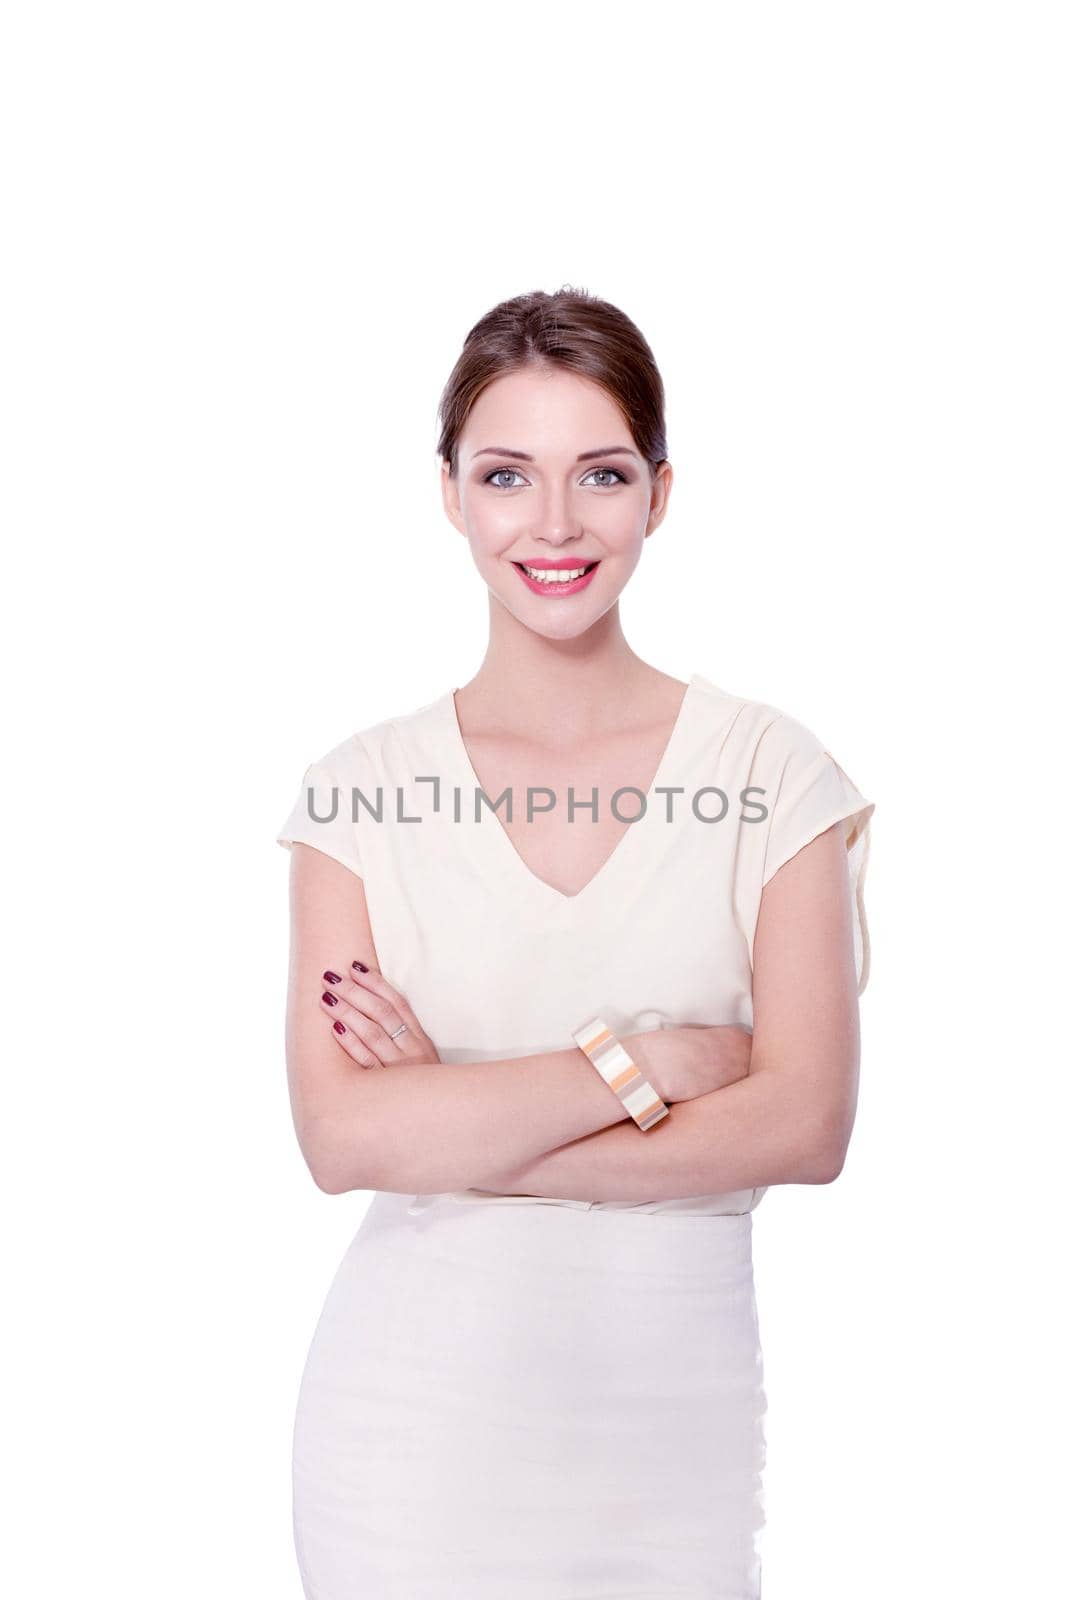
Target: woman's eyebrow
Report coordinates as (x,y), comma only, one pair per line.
(586,455)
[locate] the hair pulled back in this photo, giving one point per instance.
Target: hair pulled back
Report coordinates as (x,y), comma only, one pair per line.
(571,329)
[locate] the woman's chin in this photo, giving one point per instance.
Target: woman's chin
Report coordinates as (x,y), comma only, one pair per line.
(558,628)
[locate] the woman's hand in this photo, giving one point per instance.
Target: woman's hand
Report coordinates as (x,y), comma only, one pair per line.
(686,1062)
(365,1010)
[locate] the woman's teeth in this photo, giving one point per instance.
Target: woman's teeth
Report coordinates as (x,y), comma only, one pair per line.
(566,576)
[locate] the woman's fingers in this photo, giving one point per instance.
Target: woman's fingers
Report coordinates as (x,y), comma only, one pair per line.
(364,1038)
(378,998)
(371,1012)
(345,1032)
(366,1014)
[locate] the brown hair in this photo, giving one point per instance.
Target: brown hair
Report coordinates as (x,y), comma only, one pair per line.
(572,329)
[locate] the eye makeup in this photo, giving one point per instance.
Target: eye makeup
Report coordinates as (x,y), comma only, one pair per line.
(616,471)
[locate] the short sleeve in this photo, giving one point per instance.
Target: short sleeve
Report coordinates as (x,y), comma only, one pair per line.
(808,791)
(322,817)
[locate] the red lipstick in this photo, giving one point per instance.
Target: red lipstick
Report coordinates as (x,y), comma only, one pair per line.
(553,586)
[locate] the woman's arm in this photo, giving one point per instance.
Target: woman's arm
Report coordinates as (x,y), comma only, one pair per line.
(790,1120)
(444,1125)
(413,1126)
(733,1138)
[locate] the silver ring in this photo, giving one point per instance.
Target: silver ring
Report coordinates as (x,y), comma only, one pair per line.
(399,1031)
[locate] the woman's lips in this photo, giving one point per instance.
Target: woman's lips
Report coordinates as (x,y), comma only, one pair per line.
(552,586)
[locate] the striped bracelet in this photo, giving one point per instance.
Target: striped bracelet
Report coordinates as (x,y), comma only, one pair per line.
(620,1072)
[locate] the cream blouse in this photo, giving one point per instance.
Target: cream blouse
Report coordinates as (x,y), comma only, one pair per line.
(497,963)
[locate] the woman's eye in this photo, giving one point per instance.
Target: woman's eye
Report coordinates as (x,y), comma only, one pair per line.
(597,472)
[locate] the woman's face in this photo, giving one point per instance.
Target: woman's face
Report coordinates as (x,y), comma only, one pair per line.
(548,477)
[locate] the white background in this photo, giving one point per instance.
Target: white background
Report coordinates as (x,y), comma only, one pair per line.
(244,244)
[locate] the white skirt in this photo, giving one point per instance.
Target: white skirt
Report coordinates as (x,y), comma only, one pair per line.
(533,1402)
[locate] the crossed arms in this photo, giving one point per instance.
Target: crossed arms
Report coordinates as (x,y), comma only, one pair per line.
(546,1124)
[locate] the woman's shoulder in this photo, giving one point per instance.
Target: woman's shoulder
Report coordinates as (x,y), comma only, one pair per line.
(375,745)
(752,721)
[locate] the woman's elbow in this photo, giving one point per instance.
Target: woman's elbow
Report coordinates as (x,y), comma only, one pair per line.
(827,1150)
(323,1171)
(829,1166)
(327,1178)
(333,1170)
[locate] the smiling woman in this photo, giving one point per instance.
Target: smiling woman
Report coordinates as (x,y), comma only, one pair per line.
(538,1369)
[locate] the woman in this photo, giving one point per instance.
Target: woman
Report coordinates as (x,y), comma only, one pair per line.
(538,1371)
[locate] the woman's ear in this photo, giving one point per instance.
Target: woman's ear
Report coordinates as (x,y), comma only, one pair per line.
(661,493)
(450,499)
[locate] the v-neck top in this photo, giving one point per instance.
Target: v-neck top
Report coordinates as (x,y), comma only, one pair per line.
(497,963)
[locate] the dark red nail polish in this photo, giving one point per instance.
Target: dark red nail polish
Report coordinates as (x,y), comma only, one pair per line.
(331,977)
(338,1027)
(330,999)
(360,967)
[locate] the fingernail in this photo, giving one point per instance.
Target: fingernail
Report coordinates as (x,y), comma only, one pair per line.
(359,967)
(331,977)
(338,1027)
(330,999)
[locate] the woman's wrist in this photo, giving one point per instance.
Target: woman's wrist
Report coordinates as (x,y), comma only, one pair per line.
(651,1062)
